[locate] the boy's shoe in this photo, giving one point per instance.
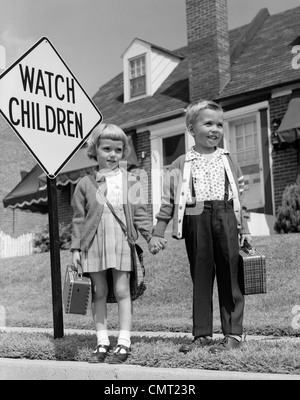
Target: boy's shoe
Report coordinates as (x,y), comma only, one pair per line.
(98,356)
(200,341)
(118,356)
(228,343)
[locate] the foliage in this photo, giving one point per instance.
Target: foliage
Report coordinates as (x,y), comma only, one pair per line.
(288,216)
(41,241)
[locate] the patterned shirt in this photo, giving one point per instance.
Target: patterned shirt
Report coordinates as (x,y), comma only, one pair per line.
(208,176)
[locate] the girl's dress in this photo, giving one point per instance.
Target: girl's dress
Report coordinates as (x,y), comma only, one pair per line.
(109,248)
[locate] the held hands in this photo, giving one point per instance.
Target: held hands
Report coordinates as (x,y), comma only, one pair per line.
(156,244)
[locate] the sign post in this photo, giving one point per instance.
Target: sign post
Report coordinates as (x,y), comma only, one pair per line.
(53,116)
(55,259)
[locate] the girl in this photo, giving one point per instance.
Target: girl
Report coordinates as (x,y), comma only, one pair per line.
(99,247)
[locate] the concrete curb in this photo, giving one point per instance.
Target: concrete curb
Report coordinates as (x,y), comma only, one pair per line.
(23,369)
(12,369)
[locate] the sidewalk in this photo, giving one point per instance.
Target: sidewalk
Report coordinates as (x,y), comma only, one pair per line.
(23,369)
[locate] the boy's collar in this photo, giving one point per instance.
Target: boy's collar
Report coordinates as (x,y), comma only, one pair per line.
(192,153)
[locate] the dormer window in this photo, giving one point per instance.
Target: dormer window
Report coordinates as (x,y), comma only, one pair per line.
(137,70)
(145,68)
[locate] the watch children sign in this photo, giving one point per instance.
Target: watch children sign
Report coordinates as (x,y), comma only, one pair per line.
(46,106)
(46,118)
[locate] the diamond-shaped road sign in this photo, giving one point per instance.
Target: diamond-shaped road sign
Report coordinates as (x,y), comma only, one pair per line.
(47,107)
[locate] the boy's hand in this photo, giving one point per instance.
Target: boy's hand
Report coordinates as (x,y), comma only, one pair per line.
(243,237)
(156,244)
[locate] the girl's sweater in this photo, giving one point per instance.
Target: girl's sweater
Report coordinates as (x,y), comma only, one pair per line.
(87,210)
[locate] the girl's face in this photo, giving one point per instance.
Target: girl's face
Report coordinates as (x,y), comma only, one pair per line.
(207,130)
(109,153)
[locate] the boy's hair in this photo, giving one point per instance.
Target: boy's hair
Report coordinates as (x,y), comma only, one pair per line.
(192,112)
(106,131)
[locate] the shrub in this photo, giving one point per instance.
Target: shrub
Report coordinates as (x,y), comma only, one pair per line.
(41,241)
(288,215)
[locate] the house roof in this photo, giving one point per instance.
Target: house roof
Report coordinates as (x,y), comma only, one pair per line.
(172,95)
(264,62)
(267,60)
(154,46)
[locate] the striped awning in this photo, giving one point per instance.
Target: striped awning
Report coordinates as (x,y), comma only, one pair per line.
(31,191)
(289,128)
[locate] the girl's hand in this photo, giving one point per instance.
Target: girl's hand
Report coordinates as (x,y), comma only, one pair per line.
(77,261)
(156,244)
(154,249)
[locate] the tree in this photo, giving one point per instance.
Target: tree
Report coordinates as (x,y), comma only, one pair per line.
(288,215)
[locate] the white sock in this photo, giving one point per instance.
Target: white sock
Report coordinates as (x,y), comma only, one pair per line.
(124,339)
(237,337)
(102,338)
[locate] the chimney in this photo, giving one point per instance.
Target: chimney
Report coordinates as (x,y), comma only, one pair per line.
(208,47)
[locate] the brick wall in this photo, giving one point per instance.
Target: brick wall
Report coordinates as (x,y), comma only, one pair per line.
(208,47)
(65,211)
(14,157)
(285,160)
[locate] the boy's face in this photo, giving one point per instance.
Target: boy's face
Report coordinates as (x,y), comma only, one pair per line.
(207,130)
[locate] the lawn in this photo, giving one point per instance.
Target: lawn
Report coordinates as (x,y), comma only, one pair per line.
(25,290)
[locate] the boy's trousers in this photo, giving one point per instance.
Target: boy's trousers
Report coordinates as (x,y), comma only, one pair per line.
(211,239)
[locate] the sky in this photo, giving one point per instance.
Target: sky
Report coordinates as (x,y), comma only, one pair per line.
(91,35)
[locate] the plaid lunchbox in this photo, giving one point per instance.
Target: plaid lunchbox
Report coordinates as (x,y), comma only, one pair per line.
(252,270)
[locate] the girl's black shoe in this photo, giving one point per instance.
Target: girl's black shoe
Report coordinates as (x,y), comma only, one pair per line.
(118,357)
(99,356)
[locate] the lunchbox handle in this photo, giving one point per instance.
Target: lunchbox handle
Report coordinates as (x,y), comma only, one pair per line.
(248,248)
(80,274)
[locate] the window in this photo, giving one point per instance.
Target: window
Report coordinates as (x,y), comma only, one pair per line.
(137,73)
(244,147)
(246,142)
(173,147)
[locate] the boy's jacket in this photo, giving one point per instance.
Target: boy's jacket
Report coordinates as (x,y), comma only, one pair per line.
(176,185)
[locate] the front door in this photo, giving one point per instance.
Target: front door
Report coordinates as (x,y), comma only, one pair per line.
(243,137)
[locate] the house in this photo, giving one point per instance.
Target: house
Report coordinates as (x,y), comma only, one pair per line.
(254,73)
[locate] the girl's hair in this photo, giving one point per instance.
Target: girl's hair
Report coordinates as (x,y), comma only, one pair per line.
(106,131)
(192,112)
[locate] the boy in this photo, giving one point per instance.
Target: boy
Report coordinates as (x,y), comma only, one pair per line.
(203,196)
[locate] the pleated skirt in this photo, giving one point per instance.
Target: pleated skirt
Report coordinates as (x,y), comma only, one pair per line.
(109,248)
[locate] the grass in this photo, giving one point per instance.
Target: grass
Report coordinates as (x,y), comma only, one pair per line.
(25,294)
(280,356)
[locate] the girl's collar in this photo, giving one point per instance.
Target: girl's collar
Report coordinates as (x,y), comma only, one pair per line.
(107,173)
